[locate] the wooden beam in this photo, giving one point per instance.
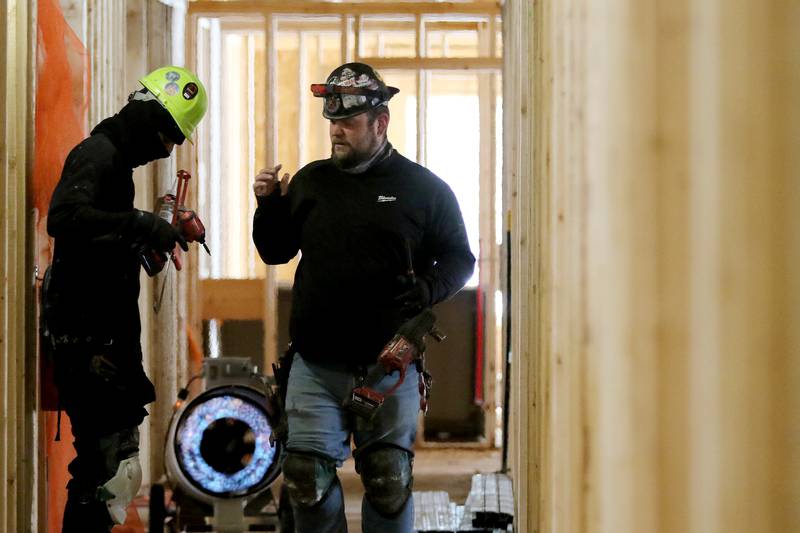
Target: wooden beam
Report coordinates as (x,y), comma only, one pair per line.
(16,392)
(375,25)
(232,299)
(209,7)
(419,36)
(489,256)
(422,88)
(434,63)
(269,300)
(229,25)
(357,38)
(492,38)
(302,87)
(344,28)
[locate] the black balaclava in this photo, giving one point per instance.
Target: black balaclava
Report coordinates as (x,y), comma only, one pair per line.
(135,131)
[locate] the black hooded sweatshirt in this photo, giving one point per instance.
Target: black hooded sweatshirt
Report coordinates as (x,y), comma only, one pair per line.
(351,230)
(94,283)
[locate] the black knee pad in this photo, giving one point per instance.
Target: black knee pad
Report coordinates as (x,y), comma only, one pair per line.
(386,474)
(307,477)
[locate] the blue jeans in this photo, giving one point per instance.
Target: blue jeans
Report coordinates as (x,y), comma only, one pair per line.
(318,423)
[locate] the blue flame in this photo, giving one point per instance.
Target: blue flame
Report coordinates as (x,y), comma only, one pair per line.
(190,435)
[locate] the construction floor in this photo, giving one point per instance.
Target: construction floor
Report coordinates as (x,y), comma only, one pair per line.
(447,470)
(435,469)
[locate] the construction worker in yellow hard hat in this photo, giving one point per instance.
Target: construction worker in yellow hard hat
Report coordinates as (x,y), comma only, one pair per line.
(91,291)
(181,93)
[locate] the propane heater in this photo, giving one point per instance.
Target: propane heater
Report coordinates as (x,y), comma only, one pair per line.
(220,453)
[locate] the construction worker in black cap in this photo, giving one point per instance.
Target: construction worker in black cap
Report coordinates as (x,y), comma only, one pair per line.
(354,217)
(91,291)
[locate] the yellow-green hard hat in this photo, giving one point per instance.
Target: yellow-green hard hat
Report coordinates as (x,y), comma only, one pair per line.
(182,93)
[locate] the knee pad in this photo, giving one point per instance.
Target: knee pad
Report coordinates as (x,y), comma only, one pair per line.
(118,492)
(307,477)
(386,475)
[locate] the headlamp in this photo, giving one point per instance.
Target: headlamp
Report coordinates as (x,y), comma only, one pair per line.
(351,89)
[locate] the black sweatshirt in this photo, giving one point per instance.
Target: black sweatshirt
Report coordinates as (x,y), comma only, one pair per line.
(351,230)
(94,286)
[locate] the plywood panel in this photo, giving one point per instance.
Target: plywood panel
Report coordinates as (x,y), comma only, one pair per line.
(232,299)
(655,343)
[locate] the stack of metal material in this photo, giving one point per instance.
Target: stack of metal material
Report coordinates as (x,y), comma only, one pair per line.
(489,508)
(433,511)
(490,503)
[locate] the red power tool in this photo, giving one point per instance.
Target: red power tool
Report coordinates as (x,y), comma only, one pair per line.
(406,347)
(170,207)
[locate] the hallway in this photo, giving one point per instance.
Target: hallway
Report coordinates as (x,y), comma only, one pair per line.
(628,173)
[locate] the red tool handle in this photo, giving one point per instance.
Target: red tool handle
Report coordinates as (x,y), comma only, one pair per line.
(183,187)
(398,354)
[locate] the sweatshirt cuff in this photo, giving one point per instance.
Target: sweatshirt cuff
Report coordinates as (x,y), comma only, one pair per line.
(272,199)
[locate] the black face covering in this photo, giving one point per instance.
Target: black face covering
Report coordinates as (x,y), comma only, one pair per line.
(135,131)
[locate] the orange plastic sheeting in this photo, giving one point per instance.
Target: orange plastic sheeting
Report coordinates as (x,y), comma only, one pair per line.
(62,102)
(59,454)
(62,98)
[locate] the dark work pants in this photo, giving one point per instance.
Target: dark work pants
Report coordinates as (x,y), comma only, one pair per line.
(97,461)
(103,390)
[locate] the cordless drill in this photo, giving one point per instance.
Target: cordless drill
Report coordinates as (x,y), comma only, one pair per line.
(170,207)
(406,347)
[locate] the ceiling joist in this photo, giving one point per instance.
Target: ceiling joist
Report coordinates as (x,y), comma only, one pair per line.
(234,7)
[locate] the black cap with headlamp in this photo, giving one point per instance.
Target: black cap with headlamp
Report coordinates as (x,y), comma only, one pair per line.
(351,89)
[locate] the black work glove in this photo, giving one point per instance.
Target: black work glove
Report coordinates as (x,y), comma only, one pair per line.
(414,296)
(157,232)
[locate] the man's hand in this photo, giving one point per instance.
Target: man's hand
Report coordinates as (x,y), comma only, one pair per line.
(157,232)
(413,296)
(267,180)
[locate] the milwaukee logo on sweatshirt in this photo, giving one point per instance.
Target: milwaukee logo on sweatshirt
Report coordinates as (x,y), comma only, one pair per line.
(382,198)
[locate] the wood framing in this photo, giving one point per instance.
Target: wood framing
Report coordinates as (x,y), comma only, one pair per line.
(377,25)
(422,89)
(435,63)
(489,256)
(17,385)
(350,8)
(656,203)
(270,291)
(344,29)
(357,38)
(232,299)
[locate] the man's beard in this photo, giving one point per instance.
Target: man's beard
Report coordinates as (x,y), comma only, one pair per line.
(354,157)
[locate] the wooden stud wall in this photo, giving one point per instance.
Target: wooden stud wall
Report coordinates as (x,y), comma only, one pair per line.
(102,25)
(105,40)
(16,380)
(650,153)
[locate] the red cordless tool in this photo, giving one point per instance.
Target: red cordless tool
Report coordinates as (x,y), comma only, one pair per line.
(406,347)
(170,207)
